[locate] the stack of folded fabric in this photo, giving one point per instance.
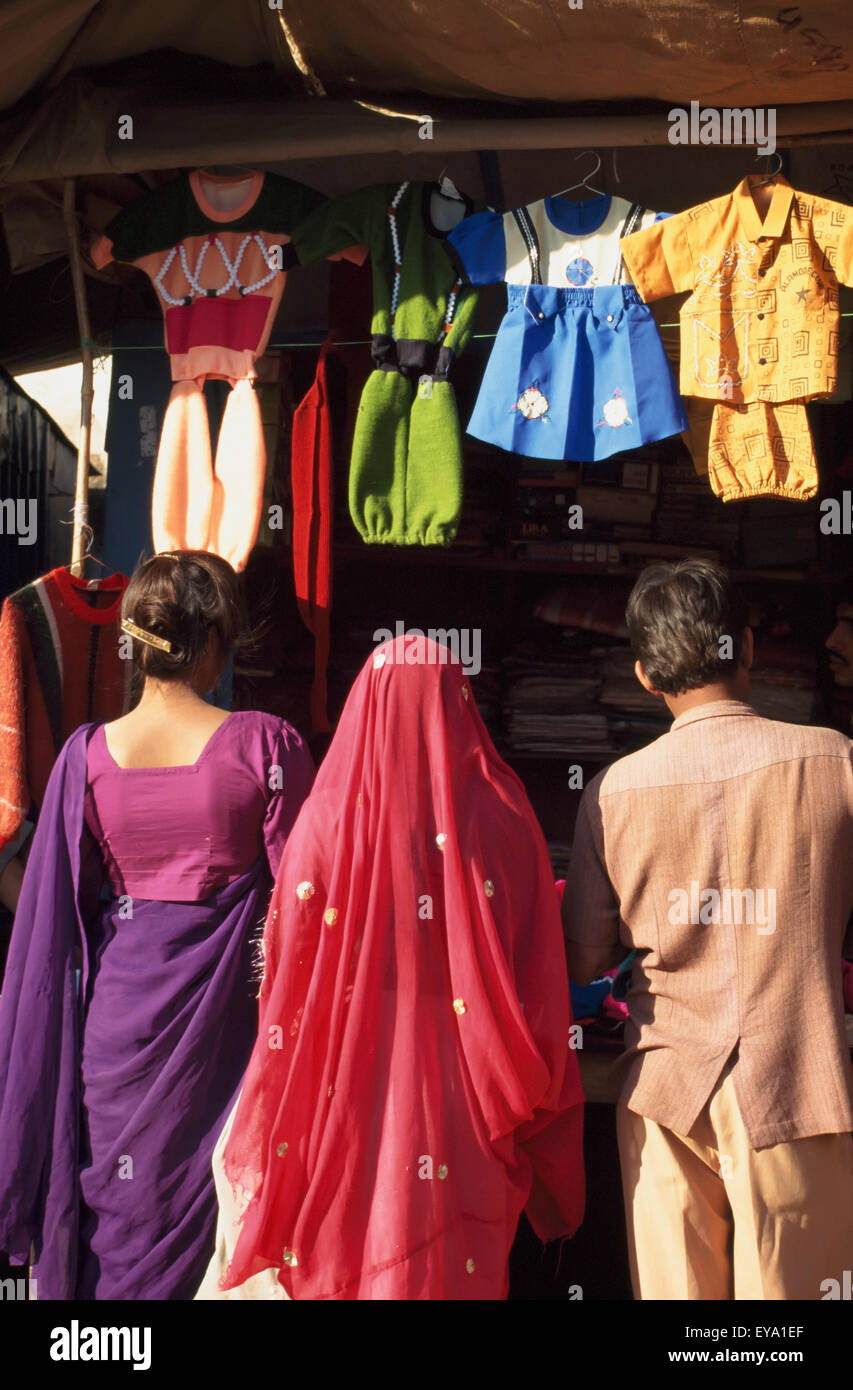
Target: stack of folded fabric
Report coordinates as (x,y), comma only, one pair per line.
(584,700)
(550,709)
(635,716)
(585,607)
(621,688)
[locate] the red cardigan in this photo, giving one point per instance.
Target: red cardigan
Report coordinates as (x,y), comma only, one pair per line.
(59,667)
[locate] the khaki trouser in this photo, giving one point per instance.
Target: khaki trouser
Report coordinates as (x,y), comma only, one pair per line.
(709,1217)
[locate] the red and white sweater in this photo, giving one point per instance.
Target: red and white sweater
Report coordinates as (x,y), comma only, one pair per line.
(59,668)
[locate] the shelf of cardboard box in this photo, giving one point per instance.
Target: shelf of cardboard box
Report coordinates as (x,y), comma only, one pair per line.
(502,560)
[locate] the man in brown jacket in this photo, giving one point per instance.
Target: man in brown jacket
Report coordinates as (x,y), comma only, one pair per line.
(723,853)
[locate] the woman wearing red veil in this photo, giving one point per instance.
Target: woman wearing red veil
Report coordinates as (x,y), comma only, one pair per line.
(412,1089)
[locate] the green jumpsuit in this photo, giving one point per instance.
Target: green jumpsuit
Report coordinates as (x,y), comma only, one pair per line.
(405,485)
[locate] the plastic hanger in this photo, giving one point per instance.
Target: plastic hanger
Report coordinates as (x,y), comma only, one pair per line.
(768,178)
(584,182)
(446,188)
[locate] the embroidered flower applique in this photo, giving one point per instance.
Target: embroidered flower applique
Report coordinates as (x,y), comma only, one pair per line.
(615,411)
(580,272)
(533,404)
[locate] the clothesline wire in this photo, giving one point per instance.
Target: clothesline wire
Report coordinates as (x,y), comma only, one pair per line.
(352,342)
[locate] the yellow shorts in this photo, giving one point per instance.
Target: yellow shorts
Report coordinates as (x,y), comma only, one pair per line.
(756,450)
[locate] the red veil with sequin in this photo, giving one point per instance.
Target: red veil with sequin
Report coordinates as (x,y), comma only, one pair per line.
(412,1089)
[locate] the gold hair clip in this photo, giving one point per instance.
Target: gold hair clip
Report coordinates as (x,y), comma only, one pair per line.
(148,637)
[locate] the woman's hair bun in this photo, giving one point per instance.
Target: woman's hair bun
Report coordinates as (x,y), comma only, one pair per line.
(180,595)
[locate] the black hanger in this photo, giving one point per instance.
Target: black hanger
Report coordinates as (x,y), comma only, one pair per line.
(768,178)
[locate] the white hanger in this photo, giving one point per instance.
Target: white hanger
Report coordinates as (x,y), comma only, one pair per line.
(446,188)
(584,182)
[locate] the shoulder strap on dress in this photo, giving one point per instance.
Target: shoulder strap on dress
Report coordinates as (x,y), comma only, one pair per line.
(531,241)
(636,213)
(633,220)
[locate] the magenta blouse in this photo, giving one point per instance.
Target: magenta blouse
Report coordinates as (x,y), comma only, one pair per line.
(178,833)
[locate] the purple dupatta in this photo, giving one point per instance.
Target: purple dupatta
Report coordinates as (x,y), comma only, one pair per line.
(113,1094)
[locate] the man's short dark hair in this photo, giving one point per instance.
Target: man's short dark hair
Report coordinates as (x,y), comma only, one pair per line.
(677,616)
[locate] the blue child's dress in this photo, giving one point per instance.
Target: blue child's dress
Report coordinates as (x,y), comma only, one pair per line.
(578,370)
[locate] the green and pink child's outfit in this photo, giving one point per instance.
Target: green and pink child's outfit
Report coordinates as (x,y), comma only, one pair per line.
(212,247)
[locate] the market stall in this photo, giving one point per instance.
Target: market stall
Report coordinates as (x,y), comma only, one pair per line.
(306,293)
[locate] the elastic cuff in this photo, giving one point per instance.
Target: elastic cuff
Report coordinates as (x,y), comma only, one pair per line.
(414,538)
(739,494)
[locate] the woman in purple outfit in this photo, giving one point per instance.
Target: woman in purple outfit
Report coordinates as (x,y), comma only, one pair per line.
(128,1011)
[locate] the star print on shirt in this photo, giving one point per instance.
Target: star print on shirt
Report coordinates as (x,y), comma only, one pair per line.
(802,294)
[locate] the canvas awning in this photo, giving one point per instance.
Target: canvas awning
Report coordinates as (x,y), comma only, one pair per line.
(722,53)
(491,73)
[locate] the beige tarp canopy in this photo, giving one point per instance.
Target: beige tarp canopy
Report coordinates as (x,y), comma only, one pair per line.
(342,92)
(533,58)
(722,53)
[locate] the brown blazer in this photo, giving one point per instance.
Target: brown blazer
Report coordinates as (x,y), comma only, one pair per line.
(724,853)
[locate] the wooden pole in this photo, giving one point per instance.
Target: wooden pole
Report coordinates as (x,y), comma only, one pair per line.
(81,495)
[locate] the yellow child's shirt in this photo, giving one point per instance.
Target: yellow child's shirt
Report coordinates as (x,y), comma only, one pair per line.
(761,323)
